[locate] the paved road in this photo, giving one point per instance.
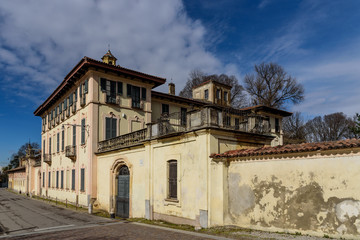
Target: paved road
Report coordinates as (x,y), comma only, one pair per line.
(25,218)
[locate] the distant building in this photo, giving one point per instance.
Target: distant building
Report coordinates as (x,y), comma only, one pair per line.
(27,177)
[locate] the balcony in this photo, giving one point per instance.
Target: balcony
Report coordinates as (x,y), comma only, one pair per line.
(125,140)
(47,158)
(70,152)
(110,99)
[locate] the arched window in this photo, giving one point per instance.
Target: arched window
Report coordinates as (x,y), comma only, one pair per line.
(172,179)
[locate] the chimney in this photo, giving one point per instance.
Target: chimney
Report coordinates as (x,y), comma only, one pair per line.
(172,88)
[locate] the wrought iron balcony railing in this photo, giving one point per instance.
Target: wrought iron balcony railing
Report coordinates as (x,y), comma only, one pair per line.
(70,152)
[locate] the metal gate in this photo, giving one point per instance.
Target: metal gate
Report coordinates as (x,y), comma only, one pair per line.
(122,198)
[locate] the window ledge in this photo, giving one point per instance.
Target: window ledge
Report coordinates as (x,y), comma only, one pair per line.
(174,200)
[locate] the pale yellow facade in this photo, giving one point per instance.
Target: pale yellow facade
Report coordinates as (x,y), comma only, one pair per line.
(123,148)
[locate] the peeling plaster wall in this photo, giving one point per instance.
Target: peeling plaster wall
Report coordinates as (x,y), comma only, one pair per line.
(312,195)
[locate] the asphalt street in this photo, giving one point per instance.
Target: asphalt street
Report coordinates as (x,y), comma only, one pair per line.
(24,218)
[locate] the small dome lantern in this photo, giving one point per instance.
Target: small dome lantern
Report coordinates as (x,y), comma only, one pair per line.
(109,58)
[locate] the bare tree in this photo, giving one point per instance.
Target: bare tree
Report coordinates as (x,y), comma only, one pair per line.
(294,129)
(331,127)
(15,157)
(272,86)
(355,126)
(196,77)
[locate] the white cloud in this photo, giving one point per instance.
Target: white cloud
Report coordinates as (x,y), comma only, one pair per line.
(40,41)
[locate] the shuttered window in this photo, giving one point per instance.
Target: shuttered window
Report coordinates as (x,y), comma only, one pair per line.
(50,145)
(237,123)
(65,104)
(71,100)
(83,131)
(183,116)
(60,108)
(86,86)
(110,128)
(277,125)
(172,181)
(58,142)
(62,140)
(62,179)
(76,95)
(82,183)
(73,179)
(74,135)
(49,179)
(57,179)
(43,181)
(119,88)
(128,90)
(103,84)
(143,93)
(206,93)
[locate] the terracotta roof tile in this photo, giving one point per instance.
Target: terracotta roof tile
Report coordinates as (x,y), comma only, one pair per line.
(291,148)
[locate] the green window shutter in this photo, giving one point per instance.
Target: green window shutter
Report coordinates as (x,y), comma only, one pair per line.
(74,135)
(57,179)
(80,90)
(82,185)
(62,178)
(83,131)
(86,86)
(103,84)
(128,89)
(71,100)
(62,140)
(113,127)
(75,93)
(107,128)
(73,179)
(49,179)
(65,102)
(143,93)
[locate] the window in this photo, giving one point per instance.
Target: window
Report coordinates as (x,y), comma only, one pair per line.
(110,128)
(55,110)
(62,179)
(225,96)
(183,116)
(43,181)
(82,183)
(58,142)
(83,131)
(172,179)
(119,88)
(62,140)
(110,91)
(135,97)
(73,179)
(218,94)
(71,100)
(43,148)
(206,94)
(57,179)
(237,123)
(50,145)
(128,90)
(53,179)
(86,86)
(65,104)
(143,93)
(49,179)
(277,125)
(165,109)
(74,135)
(76,95)
(60,108)
(227,121)
(103,84)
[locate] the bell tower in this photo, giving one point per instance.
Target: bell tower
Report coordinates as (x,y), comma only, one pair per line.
(109,58)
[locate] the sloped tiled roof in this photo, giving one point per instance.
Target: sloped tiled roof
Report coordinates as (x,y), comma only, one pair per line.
(290,148)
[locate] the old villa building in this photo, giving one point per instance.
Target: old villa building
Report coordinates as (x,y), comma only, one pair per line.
(110,141)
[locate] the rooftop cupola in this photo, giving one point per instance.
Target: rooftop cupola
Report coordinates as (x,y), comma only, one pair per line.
(109,58)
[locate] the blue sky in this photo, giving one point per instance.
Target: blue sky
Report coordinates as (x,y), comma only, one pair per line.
(318,42)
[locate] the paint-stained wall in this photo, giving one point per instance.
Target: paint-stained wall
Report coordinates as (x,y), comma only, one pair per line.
(310,194)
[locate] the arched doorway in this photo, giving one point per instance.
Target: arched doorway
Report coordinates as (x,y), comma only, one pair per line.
(122,196)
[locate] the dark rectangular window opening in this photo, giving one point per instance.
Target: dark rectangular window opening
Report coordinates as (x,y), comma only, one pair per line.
(74,135)
(183,116)
(206,94)
(73,179)
(225,96)
(58,142)
(237,123)
(57,179)
(165,109)
(172,180)
(82,183)
(143,94)
(277,125)
(119,88)
(135,97)
(82,131)
(62,140)
(43,181)
(218,94)
(49,180)
(62,179)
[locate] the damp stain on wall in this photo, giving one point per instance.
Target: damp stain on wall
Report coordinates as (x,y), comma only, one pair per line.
(271,204)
